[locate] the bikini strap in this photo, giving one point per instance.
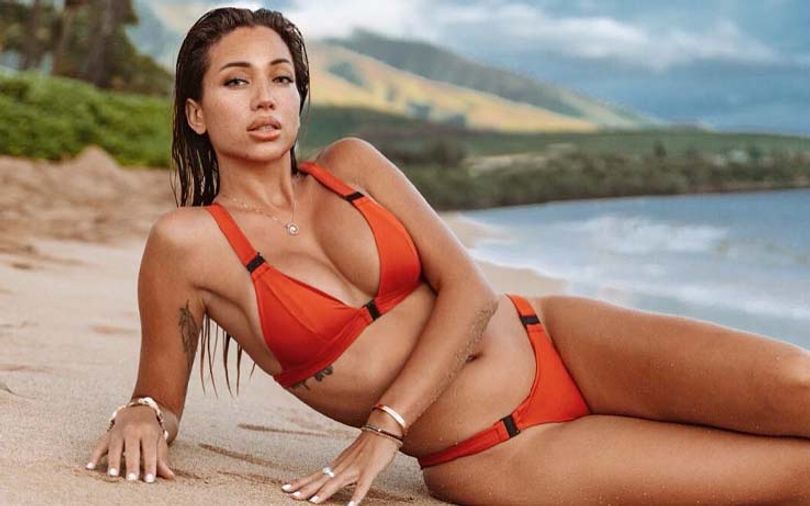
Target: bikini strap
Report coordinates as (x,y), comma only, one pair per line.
(525,310)
(330,180)
(247,254)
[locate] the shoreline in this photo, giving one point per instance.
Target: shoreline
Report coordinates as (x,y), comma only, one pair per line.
(504,278)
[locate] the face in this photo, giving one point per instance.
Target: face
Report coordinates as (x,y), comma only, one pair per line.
(250,77)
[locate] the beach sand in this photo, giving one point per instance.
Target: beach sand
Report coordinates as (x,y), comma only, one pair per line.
(71,237)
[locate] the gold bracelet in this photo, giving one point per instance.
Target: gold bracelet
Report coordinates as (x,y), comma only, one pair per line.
(382,432)
(388,410)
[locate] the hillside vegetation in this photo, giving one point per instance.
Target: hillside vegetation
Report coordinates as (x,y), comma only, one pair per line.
(54,118)
(439,64)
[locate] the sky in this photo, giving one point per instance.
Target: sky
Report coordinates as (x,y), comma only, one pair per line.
(728,64)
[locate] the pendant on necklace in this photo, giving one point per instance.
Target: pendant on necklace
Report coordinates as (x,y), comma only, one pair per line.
(292,228)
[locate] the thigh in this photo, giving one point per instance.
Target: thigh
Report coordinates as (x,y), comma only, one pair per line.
(604,459)
(673,368)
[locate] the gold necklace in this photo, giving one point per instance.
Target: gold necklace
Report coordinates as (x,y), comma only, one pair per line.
(291,227)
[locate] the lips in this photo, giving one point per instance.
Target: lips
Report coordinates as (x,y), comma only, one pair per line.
(265,124)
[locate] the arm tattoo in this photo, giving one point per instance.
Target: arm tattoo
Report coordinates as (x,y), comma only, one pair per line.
(319,376)
(189,332)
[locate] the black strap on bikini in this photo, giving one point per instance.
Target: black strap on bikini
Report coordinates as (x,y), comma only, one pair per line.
(510,425)
(255,262)
(529,319)
(354,196)
(372,308)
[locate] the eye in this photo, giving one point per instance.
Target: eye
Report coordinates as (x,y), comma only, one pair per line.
(288,78)
(229,81)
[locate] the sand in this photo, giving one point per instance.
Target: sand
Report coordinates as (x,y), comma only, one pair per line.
(71,237)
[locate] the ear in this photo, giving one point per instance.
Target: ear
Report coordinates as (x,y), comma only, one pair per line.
(195,117)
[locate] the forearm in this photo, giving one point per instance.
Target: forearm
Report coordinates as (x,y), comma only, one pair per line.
(459,317)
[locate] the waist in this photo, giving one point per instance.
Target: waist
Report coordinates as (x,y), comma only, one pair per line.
(496,377)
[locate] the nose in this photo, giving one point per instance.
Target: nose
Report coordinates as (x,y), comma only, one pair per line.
(263,97)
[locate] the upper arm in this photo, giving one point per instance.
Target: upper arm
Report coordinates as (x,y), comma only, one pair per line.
(171,311)
(444,259)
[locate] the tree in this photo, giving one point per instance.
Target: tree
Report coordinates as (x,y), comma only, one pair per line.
(107,21)
(61,62)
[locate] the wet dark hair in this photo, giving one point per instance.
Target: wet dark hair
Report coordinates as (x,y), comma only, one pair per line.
(195,162)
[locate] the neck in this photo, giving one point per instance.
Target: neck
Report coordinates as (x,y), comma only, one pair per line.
(265,184)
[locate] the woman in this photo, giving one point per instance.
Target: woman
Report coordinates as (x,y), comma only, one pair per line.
(366,307)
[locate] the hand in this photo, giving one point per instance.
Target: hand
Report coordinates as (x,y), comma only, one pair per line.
(360,463)
(135,427)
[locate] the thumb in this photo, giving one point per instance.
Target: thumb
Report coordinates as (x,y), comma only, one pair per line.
(164,471)
(163,462)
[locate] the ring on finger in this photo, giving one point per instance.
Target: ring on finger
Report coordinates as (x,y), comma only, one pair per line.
(328,472)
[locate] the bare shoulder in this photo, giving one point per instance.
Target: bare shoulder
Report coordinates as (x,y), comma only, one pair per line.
(181,228)
(347,158)
(181,237)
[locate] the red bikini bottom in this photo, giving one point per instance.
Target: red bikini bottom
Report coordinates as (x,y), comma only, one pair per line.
(554,396)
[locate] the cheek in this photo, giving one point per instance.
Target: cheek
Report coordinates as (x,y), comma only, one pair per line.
(225,119)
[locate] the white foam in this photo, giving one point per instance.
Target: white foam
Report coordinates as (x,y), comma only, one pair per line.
(634,235)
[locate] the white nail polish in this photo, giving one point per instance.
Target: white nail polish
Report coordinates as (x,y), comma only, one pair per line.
(90,465)
(132,476)
(314,499)
(352,503)
(113,472)
(149,478)
(297,493)
(286,487)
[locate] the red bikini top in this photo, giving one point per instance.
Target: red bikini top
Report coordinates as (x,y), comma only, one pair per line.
(305,328)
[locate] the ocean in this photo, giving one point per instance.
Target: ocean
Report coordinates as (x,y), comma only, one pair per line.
(738,259)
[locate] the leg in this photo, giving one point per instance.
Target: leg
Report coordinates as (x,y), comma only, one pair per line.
(672,368)
(602,459)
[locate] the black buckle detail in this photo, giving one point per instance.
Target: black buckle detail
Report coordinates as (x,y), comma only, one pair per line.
(511,427)
(373,310)
(354,196)
(529,319)
(255,263)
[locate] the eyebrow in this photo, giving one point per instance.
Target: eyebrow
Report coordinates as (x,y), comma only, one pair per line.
(246,64)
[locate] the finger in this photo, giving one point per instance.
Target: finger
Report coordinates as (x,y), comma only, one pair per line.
(99,451)
(163,469)
(297,485)
(317,491)
(363,485)
(150,451)
(309,490)
(133,449)
(294,485)
(114,455)
(330,486)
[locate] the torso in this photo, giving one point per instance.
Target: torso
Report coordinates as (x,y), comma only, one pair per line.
(336,252)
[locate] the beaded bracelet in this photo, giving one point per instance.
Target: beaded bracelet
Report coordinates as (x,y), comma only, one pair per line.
(381,432)
(142,401)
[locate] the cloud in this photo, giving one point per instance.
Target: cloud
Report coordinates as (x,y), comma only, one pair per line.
(398,18)
(523,28)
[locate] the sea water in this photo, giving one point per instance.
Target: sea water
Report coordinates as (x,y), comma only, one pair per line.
(737,259)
